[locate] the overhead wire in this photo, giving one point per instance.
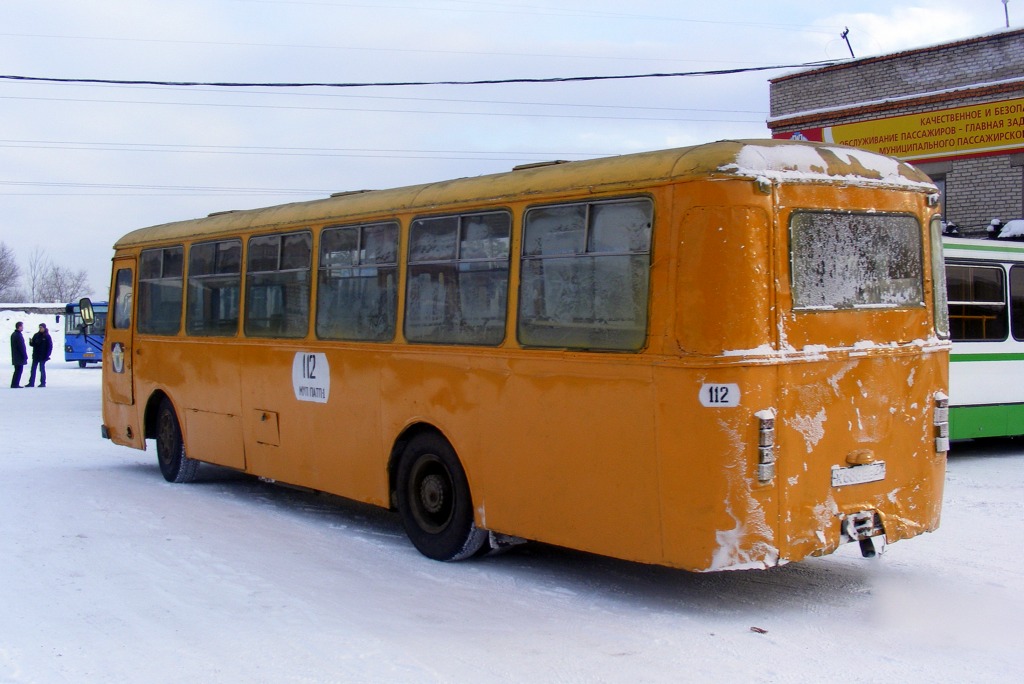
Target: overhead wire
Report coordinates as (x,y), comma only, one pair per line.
(370,153)
(160,190)
(377,110)
(519,9)
(335,95)
(391,84)
(276,86)
(362,48)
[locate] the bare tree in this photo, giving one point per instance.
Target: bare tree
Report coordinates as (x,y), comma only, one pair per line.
(38,266)
(9,274)
(61,284)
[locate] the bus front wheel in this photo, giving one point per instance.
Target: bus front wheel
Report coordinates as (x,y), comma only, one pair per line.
(434,501)
(175,466)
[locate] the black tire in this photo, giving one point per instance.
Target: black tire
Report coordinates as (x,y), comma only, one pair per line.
(434,501)
(81,364)
(175,466)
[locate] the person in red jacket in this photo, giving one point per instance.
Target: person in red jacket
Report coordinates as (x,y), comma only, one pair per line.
(42,347)
(19,355)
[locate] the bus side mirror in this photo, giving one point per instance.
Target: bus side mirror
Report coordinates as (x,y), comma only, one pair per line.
(85,307)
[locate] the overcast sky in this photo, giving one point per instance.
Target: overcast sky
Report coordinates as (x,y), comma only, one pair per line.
(82,164)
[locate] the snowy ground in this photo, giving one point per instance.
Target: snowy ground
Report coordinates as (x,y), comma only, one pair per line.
(109,574)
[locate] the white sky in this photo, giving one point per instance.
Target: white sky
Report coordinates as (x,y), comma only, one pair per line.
(80,165)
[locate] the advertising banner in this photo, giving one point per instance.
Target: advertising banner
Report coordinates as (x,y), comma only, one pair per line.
(974,130)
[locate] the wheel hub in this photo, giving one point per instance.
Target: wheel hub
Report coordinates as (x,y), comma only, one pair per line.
(432,494)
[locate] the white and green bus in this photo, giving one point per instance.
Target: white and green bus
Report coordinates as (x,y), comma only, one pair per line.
(985,284)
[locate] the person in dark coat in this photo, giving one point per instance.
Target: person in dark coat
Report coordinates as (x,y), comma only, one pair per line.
(42,347)
(19,355)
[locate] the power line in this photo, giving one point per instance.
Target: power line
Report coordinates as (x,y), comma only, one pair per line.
(369,153)
(173,189)
(388,84)
(518,10)
(523,103)
(379,110)
(355,48)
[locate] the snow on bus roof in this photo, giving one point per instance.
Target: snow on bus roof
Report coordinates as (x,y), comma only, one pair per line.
(1012,229)
(818,162)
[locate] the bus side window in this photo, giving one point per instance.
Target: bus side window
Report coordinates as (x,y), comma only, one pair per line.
(977,303)
(277,285)
(457,290)
(585,275)
(123,299)
(1017,301)
(214,285)
(160,290)
(357,296)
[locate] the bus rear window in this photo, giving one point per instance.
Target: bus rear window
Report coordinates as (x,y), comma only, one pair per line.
(854,261)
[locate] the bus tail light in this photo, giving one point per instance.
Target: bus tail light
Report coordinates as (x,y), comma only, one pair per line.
(765,445)
(941,421)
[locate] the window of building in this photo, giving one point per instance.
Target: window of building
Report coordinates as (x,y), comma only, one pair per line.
(357,296)
(585,275)
(937,171)
(160,290)
(940,183)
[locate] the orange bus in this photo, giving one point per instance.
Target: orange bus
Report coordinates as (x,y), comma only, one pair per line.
(727,356)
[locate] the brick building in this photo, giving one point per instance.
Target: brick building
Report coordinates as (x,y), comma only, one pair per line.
(954,110)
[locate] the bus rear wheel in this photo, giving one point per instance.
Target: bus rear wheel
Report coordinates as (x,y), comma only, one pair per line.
(175,466)
(434,501)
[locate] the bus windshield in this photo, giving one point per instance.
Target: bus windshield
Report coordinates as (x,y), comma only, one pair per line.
(84,343)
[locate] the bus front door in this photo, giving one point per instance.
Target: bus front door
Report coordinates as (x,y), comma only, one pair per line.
(120,417)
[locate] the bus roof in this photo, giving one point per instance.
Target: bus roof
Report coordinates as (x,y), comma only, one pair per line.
(780,161)
(984,248)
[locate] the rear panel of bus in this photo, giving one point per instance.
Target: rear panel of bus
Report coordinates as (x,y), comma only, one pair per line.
(810,416)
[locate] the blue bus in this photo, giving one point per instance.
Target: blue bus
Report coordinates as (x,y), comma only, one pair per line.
(84,343)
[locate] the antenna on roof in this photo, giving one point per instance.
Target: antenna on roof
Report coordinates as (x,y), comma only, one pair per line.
(845,36)
(1006,11)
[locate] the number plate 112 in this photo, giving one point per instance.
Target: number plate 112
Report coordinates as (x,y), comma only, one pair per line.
(720,396)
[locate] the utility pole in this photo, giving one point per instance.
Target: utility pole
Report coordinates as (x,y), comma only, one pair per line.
(845,36)
(1006,11)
